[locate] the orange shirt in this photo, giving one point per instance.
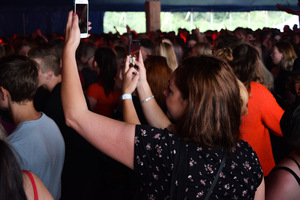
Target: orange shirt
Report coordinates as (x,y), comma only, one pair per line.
(105,104)
(263,114)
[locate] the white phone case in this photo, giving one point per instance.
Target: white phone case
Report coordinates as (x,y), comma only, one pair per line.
(83,15)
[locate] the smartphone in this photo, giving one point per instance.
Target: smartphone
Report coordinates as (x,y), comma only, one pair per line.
(134,52)
(81,8)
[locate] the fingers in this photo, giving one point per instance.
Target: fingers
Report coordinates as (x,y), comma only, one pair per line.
(132,71)
(130,80)
(126,64)
(75,21)
(90,23)
(140,64)
(140,55)
(72,37)
(69,22)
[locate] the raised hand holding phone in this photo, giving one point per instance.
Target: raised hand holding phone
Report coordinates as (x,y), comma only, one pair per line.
(81,8)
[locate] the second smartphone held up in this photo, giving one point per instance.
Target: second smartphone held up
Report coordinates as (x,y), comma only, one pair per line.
(134,50)
(81,8)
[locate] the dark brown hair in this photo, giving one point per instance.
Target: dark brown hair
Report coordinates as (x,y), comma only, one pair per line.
(245,64)
(106,60)
(19,76)
(213,115)
(11,180)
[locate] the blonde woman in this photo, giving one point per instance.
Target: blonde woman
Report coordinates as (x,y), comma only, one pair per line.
(165,48)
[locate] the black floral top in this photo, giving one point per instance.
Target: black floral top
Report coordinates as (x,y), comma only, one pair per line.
(155,151)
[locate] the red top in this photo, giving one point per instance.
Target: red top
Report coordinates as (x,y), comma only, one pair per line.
(105,104)
(263,114)
(36,197)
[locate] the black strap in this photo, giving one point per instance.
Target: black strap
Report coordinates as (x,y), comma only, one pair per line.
(289,170)
(216,179)
(294,161)
(179,171)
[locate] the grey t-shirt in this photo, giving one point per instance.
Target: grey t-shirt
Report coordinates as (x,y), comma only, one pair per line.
(40,148)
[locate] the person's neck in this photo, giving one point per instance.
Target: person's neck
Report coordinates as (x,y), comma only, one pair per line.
(51,84)
(25,111)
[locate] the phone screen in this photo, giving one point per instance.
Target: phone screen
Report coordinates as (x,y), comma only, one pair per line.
(82,12)
(134,50)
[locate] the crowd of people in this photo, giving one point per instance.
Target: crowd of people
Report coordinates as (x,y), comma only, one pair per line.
(211,115)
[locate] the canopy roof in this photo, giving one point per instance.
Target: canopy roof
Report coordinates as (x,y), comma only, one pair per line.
(167,5)
(25,16)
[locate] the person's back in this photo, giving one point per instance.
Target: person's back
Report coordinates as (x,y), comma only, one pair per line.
(201,170)
(41,149)
(256,123)
(37,139)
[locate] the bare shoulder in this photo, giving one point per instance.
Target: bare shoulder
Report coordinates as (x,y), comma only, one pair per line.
(281,184)
(42,191)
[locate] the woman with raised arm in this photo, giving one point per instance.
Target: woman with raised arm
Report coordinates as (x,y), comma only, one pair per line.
(202,158)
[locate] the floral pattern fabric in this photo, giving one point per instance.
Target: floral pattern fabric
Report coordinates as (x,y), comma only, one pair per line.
(155,154)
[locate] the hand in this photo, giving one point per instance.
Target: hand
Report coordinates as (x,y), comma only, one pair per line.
(72,38)
(141,69)
(38,32)
(130,78)
(128,29)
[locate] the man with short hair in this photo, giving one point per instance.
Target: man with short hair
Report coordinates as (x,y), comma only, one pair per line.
(36,140)
(82,177)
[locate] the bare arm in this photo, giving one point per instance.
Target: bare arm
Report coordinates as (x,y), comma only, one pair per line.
(288,10)
(260,192)
(153,113)
(130,79)
(114,138)
(42,191)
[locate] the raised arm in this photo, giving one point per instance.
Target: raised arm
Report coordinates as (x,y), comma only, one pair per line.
(114,138)
(153,113)
(130,79)
(288,10)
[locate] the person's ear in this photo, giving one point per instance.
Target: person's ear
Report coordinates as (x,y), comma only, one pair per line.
(49,75)
(3,93)
(95,64)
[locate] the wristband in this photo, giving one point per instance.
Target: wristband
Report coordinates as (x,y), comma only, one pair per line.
(147,99)
(126,96)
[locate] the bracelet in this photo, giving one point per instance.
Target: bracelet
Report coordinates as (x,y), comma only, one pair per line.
(126,96)
(147,99)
